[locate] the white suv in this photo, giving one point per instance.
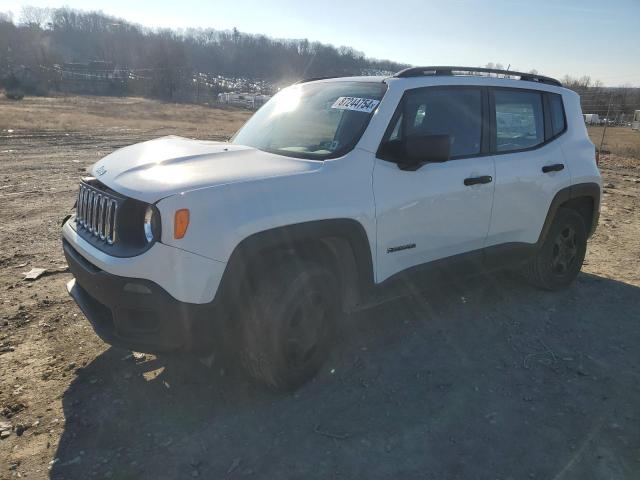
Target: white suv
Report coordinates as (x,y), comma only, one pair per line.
(335,193)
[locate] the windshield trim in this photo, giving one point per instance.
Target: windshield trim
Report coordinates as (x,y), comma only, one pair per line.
(336,154)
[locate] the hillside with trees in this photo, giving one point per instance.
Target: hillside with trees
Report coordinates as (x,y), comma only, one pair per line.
(74,51)
(44,39)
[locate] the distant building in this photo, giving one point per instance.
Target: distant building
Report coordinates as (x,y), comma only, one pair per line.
(94,70)
(95,78)
(249,100)
(635,124)
(591,118)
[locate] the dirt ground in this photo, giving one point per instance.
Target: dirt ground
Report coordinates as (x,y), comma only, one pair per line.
(485,379)
(621,141)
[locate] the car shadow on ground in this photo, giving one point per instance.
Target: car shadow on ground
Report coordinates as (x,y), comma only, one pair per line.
(487,378)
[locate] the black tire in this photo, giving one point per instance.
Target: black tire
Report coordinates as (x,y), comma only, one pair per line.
(560,258)
(288,323)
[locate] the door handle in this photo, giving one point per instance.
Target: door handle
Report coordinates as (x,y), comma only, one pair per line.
(556,167)
(478,180)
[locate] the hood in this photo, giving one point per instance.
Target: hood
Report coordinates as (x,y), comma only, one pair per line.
(152,170)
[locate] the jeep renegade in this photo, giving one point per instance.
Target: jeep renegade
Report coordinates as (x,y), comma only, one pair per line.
(335,192)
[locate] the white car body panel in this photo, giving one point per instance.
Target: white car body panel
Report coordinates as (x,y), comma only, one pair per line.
(221,218)
(523,193)
(152,170)
(578,150)
(432,209)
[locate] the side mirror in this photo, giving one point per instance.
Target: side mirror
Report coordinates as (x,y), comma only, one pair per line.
(421,149)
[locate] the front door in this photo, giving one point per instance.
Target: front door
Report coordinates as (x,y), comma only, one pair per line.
(441,209)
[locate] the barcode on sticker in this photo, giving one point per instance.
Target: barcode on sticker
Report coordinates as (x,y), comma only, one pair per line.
(356,104)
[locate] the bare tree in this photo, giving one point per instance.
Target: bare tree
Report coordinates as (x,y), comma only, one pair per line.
(35,16)
(6,17)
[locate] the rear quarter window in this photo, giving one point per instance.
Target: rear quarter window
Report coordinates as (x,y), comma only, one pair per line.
(556,107)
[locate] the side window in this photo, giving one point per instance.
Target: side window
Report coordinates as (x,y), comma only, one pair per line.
(557,114)
(519,120)
(456,112)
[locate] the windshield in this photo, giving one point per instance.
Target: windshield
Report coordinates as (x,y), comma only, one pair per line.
(313,120)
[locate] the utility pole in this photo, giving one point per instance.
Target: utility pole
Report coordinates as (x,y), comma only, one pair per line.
(606,122)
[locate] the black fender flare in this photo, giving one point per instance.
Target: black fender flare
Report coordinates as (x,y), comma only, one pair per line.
(591,190)
(250,251)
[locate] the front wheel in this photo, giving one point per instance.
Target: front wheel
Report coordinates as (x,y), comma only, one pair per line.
(560,258)
(288,322)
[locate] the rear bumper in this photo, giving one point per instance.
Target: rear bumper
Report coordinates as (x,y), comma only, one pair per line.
(138,314)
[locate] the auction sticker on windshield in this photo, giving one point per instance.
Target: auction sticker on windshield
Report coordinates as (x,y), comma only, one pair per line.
(356,104)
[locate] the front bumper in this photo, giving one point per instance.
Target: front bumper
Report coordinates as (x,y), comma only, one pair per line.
(138,314)
(186,276)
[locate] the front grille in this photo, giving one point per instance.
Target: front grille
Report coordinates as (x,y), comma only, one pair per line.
(97,213)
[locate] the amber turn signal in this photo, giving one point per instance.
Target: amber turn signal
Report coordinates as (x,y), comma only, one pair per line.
(180,223)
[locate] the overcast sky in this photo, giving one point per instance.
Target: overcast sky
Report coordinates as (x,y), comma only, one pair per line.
(556,37)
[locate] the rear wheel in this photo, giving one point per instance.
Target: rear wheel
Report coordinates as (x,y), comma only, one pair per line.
(288,323)
(560,258)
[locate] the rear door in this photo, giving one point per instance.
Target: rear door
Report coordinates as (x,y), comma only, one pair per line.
(441,209)
(529,161)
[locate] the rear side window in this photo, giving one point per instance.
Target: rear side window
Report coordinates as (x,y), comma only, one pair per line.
(557,114)
(456,112)
(519,120)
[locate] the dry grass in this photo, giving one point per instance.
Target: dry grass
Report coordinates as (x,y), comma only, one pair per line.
(91,113)
(620,141)
(82,113)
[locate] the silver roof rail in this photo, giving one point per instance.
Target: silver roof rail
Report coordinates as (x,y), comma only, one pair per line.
(452,71)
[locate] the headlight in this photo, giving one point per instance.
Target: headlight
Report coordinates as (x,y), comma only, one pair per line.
(151,224)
